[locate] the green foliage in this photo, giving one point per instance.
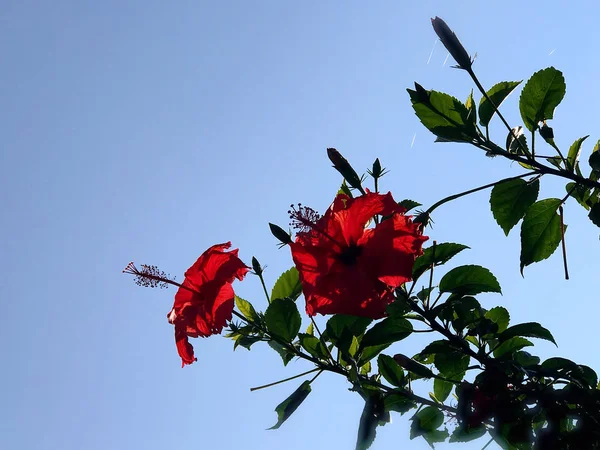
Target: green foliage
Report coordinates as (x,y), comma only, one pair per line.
(436,255)
(246,309)
(469,280)
(511,199)
(408,204)
(573,155)
(390,370)
(286,408)
(442,389)
(387,331)
(541,95)
(283,319)
(499,316)
(540,231)
(529,329)
(497,94)
(374,414)
(511,345)
(287,285)
(443,115)
(313,346)
(426,422)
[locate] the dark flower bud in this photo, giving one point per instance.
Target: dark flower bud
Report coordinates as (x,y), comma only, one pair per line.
(452,44)
(342,165)
(546,132)
(283,236)
(256,266)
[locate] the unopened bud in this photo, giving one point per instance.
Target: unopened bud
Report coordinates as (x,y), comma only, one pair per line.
(342,165)
(452,44)
(283,236)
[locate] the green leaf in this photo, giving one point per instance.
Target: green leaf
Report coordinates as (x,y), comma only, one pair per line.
(339,323)
(390,370)
(594,160)
(472,109)
(461,434)
(283,319)
(442,389)
(572,370)
(540,96)
(368,353)
(413,366)
(497,94)
(529,329)
(469,280)
(286,408)
(286,356)
(425,421)
(246,309)
(443,115)
(540,231)
(525,359)
(344,189)
(580,193)
(287,285)
(574,151)
(387,331)
(443,253)
(511,199)
(399,403)
(409,204)
(499,316)
(594,214)
(245,341)
(452,365)
(312,345)
(510,346)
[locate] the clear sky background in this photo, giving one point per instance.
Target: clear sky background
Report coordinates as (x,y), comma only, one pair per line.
(150,130)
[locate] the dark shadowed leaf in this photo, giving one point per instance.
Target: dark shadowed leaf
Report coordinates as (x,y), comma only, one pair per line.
(443,115)
(287,285)
(286,408)
(469,280)
(390,370)
(313,346)
(283,319)
(529,329)
(452,365)
(413,366)
(398,403)
(594,214)
(510,346)
(387,331)
(442,254)
(497,94)
(409,204)
(510,201)
(374,414)
(286,355)
(461,434)
(540,96)
(340,323)
(540,231)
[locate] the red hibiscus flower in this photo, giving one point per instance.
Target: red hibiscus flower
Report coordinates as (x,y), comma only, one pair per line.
(204,302)
(350,269)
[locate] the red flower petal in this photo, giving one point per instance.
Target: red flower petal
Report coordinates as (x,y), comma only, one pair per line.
(204,302)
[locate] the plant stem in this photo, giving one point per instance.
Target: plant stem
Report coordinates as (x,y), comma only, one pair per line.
(431,273)
(471,191)
(496,109)
(562,240)
(285,380)
(262,281)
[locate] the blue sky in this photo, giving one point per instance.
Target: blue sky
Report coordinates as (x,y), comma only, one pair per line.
(149,131)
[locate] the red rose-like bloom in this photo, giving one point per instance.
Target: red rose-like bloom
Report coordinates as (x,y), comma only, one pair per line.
(204,302)
(347,268)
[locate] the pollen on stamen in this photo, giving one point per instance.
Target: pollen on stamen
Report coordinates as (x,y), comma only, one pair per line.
(148,276)
(303,218)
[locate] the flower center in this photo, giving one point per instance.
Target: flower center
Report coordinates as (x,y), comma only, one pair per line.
(350,254)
